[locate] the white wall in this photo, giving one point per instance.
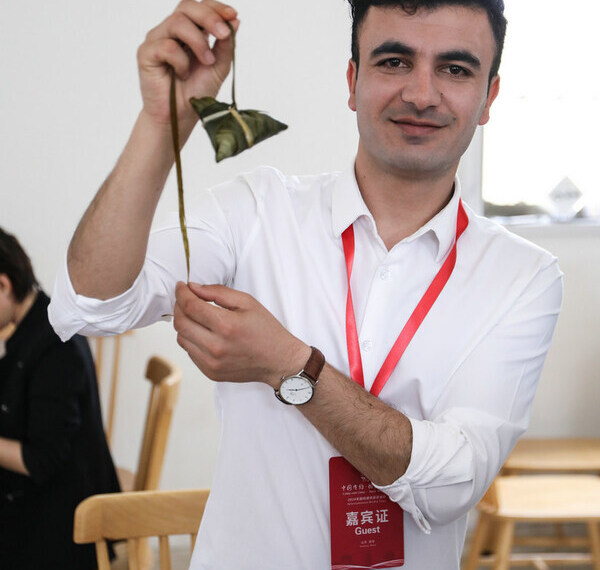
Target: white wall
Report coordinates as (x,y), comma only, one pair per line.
(68,100)
(569,392)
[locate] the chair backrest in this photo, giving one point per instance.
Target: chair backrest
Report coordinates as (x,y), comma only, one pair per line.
(165,378)
(138,514)
(113,381)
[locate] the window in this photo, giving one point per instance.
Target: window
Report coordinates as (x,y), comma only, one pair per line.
(541,148)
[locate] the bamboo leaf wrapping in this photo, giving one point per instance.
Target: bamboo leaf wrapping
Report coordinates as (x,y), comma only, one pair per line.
(232,131)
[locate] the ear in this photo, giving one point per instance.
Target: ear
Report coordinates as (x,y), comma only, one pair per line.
(351,74)
(5,285)
(492,94)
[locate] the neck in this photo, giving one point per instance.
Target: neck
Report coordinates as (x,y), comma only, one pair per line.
(23,307)
(401,204)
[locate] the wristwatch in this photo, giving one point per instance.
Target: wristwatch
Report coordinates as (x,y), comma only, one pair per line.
(299,388)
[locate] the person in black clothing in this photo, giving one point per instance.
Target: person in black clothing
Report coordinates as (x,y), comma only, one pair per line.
(53,451)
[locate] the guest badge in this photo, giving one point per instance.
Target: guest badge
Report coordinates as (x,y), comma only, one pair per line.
(367,527)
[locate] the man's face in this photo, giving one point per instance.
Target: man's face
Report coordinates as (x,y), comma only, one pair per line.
(421,87)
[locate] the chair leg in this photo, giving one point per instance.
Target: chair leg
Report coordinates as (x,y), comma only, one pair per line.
(504,545)
(594,543)
(144,553)
(132,554)
(478,541)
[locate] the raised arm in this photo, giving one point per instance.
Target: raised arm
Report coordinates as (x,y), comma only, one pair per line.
(108,248)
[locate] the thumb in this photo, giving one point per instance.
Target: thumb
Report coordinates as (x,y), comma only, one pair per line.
(219,294)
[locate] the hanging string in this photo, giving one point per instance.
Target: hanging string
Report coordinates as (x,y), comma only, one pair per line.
(177,151)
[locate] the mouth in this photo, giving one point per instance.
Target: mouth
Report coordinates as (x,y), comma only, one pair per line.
(416,128)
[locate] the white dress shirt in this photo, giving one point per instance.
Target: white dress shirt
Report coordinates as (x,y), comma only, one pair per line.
(466,382)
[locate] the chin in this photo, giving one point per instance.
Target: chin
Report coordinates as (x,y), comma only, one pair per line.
(418,167)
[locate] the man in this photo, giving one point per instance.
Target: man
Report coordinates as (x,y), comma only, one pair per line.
(53,453)
(339,262)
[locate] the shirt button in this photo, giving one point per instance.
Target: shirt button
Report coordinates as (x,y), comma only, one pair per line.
(20,364)
(4,409)
(384,274)
(367,344)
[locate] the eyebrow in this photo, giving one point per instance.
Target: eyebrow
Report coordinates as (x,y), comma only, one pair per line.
(399,48)
(461,55)
(392,47)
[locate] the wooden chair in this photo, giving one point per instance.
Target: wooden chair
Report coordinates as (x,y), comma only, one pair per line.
(113,381)
(142,514)
(536,499)
(165,378)
(554,455)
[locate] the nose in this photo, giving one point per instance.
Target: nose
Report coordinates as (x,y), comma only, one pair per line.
(421,90)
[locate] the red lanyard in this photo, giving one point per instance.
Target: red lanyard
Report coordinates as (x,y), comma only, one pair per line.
(414,321)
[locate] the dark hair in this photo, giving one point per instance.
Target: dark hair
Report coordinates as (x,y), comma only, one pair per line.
(16,265)
(493,8)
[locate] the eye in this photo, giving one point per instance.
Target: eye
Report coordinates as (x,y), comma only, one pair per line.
(457,71)
(391,63)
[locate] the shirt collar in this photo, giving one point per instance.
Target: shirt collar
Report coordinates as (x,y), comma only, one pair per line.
(347,206)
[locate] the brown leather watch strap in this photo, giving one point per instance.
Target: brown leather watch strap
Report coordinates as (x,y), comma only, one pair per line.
(314,365)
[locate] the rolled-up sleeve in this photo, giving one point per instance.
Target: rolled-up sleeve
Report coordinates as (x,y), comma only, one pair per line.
(70,313)
(152,296)
(483,410)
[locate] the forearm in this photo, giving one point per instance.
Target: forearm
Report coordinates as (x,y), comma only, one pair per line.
(108,248)
(375,438)
(11,456)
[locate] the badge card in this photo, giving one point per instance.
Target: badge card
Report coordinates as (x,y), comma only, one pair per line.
(367,527)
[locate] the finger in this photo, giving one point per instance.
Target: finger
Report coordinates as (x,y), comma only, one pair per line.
(227,11)
(191,331)
(200,310)
(210,15)
(165,51)
(199,342)
(222,49)
(180,27)
(223,296)
(200,358)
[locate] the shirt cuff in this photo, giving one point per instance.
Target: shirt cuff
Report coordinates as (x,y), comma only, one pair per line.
(70,313)
(400,491)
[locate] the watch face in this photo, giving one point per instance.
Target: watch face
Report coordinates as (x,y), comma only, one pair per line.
(296,390)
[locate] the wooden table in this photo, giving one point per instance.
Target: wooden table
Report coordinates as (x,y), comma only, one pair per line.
(553,455)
